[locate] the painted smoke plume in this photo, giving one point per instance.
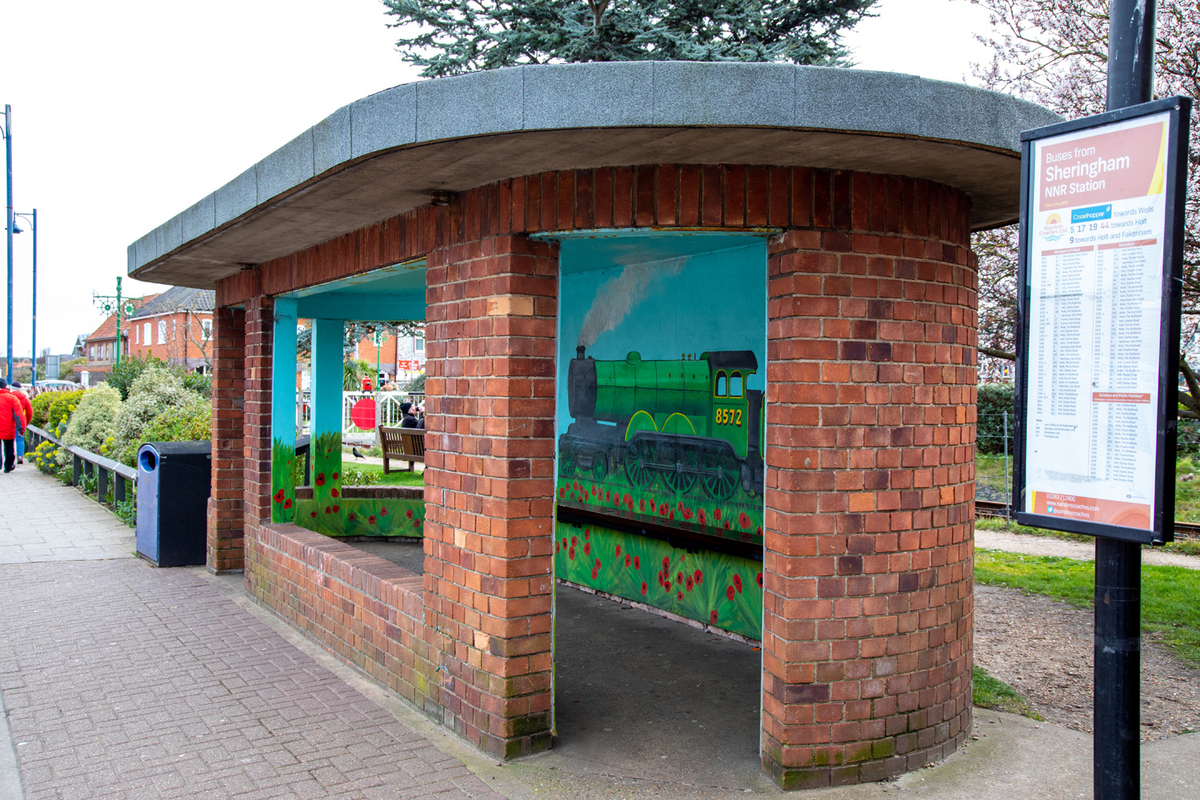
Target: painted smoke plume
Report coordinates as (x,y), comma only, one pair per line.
(616,298)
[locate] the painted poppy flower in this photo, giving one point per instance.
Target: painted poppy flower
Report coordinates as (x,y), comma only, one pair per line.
(744,520)
(335,493)
(597,563)
(672,515)
(383,511)
(587,533)
(573,541)
(335,475)
(759,580)
(642,504)
(320,479)
(699,576)
(618,550)
(663,511)
(726,524)
(410,513)
(328,509)
(564,541)
(700,516)
(287,503)
(595,573)
(629,502)
(336,509)
(651,505)
(371,520)
(587,548)
(679,577)
(737,583)
(314,514)
(279,496)
(416,523)
(689,583)
(716,513)
(627,559)
(712,617)
(679,596)
(687,513)
(562,492)
(666,562)
(637,562)
(353,516)
(644,588)
(607,496)
(571,554)
(729,592)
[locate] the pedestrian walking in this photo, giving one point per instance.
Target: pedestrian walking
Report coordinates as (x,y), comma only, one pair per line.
(12,424)
(27,409)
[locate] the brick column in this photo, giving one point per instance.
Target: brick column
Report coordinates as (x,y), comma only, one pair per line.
(256,442)
(225,510)
(869,489)
(489,484)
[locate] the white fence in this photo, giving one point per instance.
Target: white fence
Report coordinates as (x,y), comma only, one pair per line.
(361,413)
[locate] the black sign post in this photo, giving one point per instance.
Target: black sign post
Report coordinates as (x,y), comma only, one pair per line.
(1102,205)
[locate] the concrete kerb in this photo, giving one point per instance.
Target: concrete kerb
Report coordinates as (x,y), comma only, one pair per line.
(10,778)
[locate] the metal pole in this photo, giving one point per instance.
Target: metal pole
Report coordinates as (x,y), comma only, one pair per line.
(8,184)
(1116,744)
(117,361)
(33,370)
(1007,491)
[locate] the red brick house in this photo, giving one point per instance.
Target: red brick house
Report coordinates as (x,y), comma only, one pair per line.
(174,326)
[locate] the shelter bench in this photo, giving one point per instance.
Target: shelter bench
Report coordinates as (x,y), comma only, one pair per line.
(401,444)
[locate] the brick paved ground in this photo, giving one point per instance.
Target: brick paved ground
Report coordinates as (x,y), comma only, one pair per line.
(125,681)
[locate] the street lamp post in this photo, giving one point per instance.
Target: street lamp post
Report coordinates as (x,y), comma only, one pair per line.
(33,225)
(8,226)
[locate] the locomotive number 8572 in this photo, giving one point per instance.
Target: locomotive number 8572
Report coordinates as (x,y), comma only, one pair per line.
(691,424)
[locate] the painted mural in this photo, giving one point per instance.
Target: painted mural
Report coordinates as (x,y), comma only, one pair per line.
(329,512)
(718,589)
(660,405)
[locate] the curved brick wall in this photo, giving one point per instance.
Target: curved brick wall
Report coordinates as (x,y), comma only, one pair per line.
(867,629)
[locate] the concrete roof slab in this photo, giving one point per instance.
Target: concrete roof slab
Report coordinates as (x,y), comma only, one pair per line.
(470,105)
(380,156)
(383,120)
(588,95)
(690,93)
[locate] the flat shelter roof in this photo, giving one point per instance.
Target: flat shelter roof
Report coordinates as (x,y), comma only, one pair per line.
(381,156)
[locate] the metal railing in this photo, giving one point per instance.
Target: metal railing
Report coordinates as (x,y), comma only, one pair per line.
(85,463)
(386,412)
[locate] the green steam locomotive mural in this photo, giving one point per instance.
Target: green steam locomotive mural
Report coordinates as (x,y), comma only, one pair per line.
(661,418)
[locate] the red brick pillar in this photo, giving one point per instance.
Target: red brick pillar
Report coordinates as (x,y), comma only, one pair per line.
(228,401)
(489,484)
(869,489)
(256,442)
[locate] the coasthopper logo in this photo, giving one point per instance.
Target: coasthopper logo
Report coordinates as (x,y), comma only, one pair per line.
(1091,214)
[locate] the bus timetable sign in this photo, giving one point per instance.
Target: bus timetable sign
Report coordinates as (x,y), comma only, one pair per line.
(1102,203)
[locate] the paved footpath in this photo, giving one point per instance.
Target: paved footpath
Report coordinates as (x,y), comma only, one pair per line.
(119,680)
(125,681)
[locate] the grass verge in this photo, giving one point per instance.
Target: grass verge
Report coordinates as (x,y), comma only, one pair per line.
(1187,547)
(997,695)
(393,478)
(1170,595)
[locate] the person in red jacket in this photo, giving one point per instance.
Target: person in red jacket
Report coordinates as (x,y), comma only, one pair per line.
(12,424)
(27,408)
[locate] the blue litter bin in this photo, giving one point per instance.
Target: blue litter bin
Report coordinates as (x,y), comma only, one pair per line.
(174,483)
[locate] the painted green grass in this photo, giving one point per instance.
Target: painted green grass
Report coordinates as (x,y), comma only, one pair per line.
(997,695)
(1170,595)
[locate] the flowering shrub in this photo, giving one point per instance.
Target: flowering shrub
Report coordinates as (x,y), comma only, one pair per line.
(93,421)
(155,392)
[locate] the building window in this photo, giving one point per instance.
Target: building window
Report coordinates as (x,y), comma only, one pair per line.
(206,324)
(419,344)
(146,333)
(92,352)
(162,331)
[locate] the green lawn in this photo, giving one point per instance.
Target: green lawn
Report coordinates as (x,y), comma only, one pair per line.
(375,476)
(998,695)
(1170,595)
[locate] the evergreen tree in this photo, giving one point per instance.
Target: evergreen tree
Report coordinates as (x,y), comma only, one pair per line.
(451,37)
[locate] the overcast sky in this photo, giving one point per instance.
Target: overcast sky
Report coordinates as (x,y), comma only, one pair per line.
(127,112)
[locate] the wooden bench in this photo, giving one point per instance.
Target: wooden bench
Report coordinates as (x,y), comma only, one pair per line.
(402,444)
